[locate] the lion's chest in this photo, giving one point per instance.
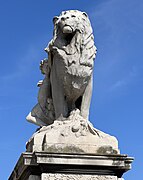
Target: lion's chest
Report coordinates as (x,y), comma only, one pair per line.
(73,78)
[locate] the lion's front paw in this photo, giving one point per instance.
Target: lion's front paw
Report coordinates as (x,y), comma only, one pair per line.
(44,67)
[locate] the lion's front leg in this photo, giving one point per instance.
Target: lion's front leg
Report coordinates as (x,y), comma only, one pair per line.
(86,98)
(58,95)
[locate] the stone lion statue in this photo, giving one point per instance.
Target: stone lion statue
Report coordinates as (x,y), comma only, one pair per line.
(67,85)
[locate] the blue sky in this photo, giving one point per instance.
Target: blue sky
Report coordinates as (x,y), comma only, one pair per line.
(117,102)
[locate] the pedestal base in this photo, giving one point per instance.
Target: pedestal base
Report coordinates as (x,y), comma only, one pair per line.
(50,166)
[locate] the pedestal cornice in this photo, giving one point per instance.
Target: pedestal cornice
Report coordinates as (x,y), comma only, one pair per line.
(95,164)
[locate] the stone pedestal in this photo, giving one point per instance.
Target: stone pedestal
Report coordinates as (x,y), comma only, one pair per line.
(71,149)
(61,166)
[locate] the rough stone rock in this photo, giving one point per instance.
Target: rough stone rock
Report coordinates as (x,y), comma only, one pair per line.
(72,135)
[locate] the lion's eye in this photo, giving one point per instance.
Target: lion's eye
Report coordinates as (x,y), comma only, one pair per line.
(73,16)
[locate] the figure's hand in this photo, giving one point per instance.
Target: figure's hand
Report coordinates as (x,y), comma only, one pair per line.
(44,67)
(39,84)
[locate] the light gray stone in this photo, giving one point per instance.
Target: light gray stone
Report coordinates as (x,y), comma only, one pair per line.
(55,176)
(70,164)
(75,135)
(67,85)
(34,177)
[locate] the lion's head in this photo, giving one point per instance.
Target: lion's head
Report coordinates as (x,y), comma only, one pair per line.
(73,26)
(69,23)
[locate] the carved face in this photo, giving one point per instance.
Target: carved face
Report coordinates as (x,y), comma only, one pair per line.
(69,22)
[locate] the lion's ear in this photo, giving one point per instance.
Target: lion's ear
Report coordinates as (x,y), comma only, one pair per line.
(84,13)
(55,19)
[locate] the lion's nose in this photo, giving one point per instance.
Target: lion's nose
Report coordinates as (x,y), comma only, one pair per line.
(64,18)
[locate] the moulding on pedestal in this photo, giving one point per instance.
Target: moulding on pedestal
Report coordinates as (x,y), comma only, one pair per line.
(76,177)
(81,164)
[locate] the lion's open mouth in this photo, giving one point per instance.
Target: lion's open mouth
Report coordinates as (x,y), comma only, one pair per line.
(68,34)
(68,38)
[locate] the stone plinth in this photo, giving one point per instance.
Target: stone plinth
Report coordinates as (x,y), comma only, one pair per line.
(73,135)
(51,166)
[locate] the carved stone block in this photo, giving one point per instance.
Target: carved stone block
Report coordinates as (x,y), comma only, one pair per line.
(50,176)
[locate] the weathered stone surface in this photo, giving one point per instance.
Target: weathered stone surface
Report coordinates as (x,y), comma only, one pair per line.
(72,135)
(33,177)
(75,177)
(82,164)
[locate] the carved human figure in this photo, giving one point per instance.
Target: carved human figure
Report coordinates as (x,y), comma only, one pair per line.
(67,85)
